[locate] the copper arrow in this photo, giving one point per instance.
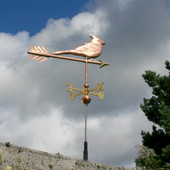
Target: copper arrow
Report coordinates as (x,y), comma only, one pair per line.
(41,54)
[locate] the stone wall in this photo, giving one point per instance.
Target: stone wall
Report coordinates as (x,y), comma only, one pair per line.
(20,158)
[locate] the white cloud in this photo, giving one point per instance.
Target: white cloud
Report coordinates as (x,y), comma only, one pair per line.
(59,32)
(50,132)
(121,130)
(111,137)
(12,45)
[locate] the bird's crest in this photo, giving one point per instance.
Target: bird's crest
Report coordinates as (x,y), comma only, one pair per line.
(97,38)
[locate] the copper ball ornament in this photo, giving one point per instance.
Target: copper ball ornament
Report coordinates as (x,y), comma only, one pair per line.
(86,99)
(86,86)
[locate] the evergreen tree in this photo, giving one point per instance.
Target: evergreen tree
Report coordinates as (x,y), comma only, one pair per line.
(157,110)
(147,159)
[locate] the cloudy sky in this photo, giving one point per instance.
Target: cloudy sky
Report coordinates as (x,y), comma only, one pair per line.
(35,110)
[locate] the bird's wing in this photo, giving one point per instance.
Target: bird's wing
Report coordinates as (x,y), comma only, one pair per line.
(89,47)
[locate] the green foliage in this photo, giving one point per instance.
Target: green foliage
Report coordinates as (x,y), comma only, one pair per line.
(156,140)
(157,110)
(8,168)
(147,159)
(50,165)
(1,153)
(42,161)
(166,153)
(16,166)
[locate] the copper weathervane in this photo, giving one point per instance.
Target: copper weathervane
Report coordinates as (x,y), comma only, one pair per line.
(89,51)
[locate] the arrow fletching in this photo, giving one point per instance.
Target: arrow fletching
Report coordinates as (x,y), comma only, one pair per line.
(39,50)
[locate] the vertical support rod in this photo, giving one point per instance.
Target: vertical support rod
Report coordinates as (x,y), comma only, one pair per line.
(85,153)
(86,70)
(85,114)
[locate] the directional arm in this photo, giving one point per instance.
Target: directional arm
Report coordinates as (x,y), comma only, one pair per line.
(99,94)
(71,88)
(41,54)
(73,94)
(85,91)
(99,89)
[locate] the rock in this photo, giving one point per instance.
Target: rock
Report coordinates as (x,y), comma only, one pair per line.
(19,158)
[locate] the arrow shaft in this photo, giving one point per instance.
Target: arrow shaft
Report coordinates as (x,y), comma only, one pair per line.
(64,58)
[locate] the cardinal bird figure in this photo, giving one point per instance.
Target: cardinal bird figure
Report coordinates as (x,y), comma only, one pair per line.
(90,50)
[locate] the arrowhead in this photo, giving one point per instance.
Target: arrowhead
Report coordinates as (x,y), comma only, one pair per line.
(103,63)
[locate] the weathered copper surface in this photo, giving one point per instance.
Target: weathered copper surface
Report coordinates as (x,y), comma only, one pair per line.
(41,54)
(35,49)
(85,91)
(91,50)
(86,81)
(86,99)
